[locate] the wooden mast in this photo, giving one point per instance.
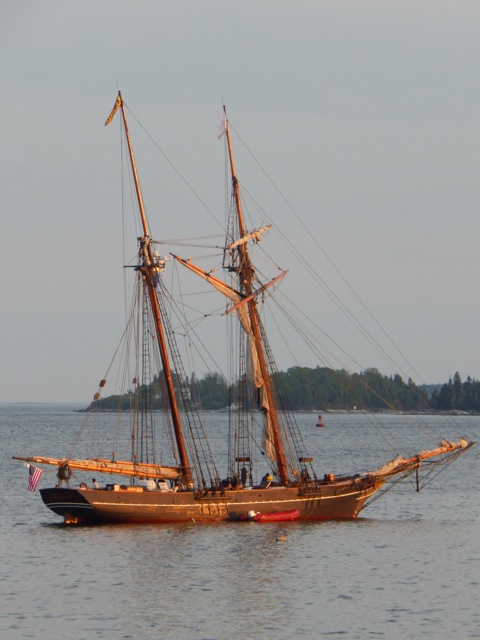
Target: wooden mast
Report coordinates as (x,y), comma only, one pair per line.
(149,269)
(246,273)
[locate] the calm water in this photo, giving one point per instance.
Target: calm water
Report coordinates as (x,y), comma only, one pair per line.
(409,568)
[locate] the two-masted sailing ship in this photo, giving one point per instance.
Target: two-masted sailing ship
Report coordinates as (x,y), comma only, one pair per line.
(183,483)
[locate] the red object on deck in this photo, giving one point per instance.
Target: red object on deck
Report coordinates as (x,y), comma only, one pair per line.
(320,422)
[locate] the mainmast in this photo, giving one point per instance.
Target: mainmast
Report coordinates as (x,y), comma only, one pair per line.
(246,272)
(149,270)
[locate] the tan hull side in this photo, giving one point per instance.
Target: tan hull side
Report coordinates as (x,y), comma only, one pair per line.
(335,502)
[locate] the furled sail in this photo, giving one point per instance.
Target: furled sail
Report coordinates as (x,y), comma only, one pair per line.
(255,235)
(120,467)
(401,464)
(254,374)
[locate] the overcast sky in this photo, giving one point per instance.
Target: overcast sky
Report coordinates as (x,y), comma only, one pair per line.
(365,112)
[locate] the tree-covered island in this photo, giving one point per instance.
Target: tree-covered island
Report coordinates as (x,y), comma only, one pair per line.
(321,389)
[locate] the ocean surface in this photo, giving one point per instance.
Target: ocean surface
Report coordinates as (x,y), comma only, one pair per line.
(408,568)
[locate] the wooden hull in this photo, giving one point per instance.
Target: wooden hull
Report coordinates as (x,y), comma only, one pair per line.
(334,501)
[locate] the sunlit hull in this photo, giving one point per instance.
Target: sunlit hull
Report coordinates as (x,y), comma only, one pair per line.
(342,500)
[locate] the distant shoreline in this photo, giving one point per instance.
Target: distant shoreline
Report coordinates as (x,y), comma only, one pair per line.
(78,408)
(314,412)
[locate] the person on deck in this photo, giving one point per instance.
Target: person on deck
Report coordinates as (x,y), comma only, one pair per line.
(266,481)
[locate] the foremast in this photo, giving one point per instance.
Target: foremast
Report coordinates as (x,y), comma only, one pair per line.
(148,266)
(246,274)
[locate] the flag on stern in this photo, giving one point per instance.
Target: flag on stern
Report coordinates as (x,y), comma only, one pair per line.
(34,474)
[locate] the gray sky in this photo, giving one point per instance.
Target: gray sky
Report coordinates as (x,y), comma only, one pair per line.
(364,112)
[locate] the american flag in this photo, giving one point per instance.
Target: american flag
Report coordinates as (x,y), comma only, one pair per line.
(34,474)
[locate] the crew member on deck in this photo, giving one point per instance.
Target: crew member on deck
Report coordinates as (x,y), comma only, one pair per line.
(266,481)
